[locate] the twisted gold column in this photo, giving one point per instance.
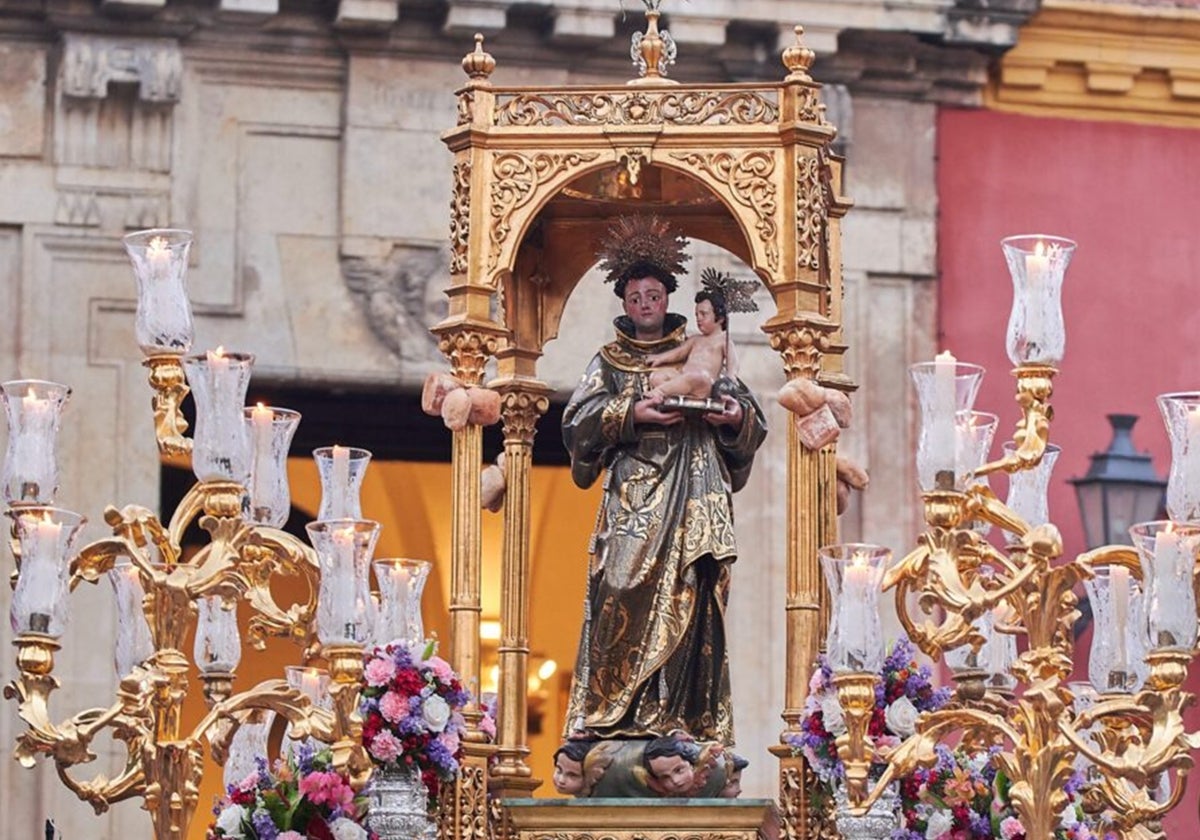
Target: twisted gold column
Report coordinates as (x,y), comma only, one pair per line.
(523,402)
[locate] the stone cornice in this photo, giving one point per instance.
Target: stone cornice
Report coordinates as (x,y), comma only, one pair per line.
(1097,60)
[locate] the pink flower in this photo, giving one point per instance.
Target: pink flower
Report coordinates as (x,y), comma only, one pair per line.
(487,725)
(441,668)
(326,787)
(289,835)
(249,783)
(450,739)
(1010,828)
(386,746)
(379,671)
(393,707)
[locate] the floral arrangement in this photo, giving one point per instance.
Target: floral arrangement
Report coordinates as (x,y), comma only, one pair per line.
(411,709)
(905,690)
(303,798)
(961,797)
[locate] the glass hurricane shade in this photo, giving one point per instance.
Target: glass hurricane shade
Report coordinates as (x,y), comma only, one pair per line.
(1181,414)
(945,388)
(134,644)
(1027,489)
(1036,334)
(220,444)
(401,583)
(341,470)
(33,410)
(854,573)
(1117,662)
(163,323)
(344,548)
(1167,551)
(270,431)
(218,647)
(46,536)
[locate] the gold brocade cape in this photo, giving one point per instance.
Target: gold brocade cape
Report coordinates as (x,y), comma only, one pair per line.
(652,655)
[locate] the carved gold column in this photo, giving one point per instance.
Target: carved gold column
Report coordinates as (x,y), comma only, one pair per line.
(522,403)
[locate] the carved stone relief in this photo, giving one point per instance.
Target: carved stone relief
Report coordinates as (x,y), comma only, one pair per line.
(400,296)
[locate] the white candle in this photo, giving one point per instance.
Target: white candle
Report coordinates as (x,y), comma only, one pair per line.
(945,404)
(856,583)
(310,683)
(995,644)
(1119,586)
(262,419)
(158,255)
(1037,272)
(218,362)
(341,482)
(343,581)
(1166,560)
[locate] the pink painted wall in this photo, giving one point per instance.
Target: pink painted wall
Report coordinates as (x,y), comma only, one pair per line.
(1128,195)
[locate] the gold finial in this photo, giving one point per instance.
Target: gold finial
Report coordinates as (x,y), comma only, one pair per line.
(478,64)
(798,58)
(652,51)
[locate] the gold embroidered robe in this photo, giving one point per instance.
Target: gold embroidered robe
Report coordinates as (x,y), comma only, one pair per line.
(652,654)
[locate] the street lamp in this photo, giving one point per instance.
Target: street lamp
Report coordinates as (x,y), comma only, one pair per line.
(1121,487)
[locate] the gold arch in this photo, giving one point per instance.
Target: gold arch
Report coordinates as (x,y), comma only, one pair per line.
(538,172)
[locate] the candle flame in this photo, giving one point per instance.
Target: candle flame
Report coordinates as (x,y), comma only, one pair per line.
(859,559)
(1039,249)
(219,353)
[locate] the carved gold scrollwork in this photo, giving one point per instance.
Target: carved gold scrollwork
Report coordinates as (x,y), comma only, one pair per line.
(812,212)
(466,107)
(747,179)
(520,412)
(468,352)
(801,348)
(639,108)
(464,805)
(460,217)
(811,109)
(516,178)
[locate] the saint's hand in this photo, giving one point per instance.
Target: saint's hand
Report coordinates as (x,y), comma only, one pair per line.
(647,411)
(731,416)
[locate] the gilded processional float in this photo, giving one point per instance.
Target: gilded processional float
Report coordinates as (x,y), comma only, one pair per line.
(546,181)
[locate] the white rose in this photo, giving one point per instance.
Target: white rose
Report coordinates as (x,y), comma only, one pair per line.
(230,821)
(901,716)
(939,823)
(1068,817)
(435,712)
(831,712)
(347,829)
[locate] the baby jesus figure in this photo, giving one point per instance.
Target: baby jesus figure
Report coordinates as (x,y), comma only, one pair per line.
(704,357)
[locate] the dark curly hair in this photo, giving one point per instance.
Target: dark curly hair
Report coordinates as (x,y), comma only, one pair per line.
(720,310)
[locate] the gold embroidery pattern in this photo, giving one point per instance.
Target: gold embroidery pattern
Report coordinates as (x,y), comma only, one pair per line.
(612,420)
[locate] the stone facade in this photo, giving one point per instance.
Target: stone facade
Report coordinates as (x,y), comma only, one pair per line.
(301,143)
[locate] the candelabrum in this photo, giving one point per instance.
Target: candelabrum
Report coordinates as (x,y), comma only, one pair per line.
(960,596)
(240,500)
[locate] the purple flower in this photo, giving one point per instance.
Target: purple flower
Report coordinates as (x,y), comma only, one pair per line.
(264,826)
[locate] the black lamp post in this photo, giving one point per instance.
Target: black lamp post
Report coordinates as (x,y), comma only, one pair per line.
(1121,488)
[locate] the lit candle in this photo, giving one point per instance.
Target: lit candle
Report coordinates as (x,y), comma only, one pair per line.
(1166,560)
(856,583)
(1119,586)
(344,605)
(1037,272)
(942,437)
(158,254)
(262,419)
(341,482)
(218,362)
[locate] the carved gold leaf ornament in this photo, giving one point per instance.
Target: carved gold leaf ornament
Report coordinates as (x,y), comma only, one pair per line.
(460,217)
(746,178)
(516,178)
(638,108)
(812,212)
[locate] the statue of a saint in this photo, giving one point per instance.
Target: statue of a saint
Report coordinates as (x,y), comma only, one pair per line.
(652,657)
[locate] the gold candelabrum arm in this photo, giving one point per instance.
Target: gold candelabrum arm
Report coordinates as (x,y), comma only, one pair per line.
(1035,385)
(170,388)
(165,764)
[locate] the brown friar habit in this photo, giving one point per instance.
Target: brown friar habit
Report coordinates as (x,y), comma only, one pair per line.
(652,655)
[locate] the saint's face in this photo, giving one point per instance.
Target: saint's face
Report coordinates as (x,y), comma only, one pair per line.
(673,773)
(646,306)
(706,319)
(733,785)
(568,775)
